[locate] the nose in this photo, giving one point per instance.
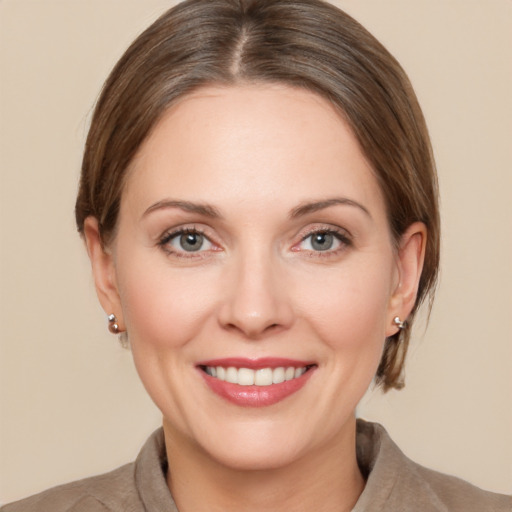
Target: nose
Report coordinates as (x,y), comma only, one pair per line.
(256,300)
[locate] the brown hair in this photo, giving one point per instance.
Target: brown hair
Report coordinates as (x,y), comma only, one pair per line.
(304,43)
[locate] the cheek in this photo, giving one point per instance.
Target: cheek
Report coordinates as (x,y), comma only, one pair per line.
(349,317)
(164,310)
(164,307)
(349,307)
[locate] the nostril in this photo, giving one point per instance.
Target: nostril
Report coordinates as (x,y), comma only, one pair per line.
(254,309)
(254,331)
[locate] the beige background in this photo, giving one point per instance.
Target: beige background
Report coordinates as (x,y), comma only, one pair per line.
(71,404)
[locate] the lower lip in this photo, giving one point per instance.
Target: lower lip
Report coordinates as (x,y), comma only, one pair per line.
(255,396)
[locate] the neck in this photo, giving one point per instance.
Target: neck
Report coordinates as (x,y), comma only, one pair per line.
(327,479)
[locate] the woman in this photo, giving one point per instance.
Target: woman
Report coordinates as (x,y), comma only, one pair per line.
(258,202)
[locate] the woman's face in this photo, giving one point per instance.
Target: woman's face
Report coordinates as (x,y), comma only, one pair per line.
(253,246)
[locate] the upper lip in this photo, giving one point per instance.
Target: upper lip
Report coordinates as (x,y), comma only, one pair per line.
(256,364)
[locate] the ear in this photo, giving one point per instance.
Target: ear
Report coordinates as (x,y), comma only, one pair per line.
(410,257)
(103,269)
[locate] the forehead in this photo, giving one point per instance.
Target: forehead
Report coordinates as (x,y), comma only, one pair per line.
(261,142)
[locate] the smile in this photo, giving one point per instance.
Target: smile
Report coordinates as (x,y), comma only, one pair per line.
(255,383)
(261,377)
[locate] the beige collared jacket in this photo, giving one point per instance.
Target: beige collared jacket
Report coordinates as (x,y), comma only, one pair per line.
(394,484)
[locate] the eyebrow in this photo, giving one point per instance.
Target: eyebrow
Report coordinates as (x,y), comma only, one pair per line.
(199,208)
(212,212)
(316,206)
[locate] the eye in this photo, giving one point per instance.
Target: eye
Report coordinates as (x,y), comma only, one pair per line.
(186,241)
(323,240)
(320,241)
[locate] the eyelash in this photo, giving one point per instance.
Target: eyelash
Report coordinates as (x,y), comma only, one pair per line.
(169,236)
(340,235)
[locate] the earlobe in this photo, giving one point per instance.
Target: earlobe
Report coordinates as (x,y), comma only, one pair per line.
(410,257)
(103,269)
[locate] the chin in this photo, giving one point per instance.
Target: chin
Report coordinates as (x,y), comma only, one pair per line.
(254,455)
(261,444)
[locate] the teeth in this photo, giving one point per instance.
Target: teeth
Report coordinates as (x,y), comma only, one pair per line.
(211,370)
(289,374)
(245,377)
(278,375)
(232,375)
(261,377)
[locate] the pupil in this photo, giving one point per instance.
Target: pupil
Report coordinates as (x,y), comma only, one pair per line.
(191,241)
(322,241)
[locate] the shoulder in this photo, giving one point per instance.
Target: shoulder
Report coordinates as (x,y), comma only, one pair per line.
(456,494)
(396,483)
(135,487)
(111,491)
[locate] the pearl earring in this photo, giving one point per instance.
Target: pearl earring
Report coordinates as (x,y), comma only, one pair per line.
(398,322)
(113,326)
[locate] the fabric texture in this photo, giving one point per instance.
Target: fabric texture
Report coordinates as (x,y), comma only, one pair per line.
(394,484)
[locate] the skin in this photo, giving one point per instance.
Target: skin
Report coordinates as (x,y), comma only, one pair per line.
(256,154)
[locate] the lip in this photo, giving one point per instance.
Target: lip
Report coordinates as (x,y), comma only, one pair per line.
(255,364)
(256,396)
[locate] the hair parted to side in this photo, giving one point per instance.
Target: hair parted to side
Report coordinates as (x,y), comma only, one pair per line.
(303,43)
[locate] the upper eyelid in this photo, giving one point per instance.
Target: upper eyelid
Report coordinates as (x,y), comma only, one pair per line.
(170,233)
(325,228)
